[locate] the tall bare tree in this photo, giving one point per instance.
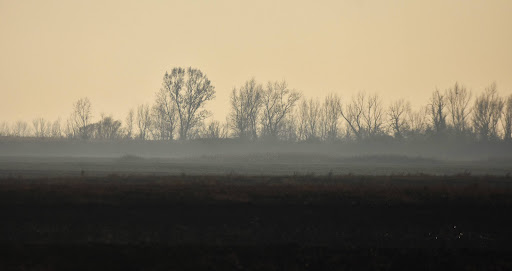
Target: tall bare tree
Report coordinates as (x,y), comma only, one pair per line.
(278,102)
(364,115)
(56,131)
(458,99)
(487,112)
(143,121)
(245,108)
(437,111)
(189,89)
(162,128)
(353,115)
(418,122)
(69,129)
(41,127)
(165,115)
(309,119)
(507,120)
(373,115)
(288,128)
(398,114)
(330,116)
(130,119)
(20,129)
(4,129)
(81,118)
(302,125)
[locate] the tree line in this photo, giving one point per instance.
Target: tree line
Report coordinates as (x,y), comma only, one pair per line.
(274,111)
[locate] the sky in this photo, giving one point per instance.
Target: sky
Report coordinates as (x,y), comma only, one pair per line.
(116,52)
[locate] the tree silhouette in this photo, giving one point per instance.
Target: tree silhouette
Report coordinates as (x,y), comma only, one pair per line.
(330,115)
(143,121)
(397,114)
(437,111)
(507,120)
(487,113)
(458,99)
(81,118)
(278,102)
(189,89)
(245,108)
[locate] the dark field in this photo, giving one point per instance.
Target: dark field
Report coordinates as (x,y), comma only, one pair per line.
(237,222)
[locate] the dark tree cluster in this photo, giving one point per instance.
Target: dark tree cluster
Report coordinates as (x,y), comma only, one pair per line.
(274,111)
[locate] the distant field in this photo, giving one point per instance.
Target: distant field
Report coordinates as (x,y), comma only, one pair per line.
(256,164)
(32,158)
(298,222)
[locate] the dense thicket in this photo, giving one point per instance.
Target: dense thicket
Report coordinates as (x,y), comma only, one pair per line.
(274,111)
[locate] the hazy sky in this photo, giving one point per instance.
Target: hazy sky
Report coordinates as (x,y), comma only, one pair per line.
(116,52)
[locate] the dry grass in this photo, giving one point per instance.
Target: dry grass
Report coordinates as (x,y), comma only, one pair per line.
(305,189)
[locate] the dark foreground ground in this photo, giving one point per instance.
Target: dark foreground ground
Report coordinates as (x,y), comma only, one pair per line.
(231,222)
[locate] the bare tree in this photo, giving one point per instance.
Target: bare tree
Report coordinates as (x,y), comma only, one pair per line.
(437,106)
(35,126)
(20,129)
(278,102)
(507,120)
(189,90)
(42,128)
(330,116)
(458,105)
(130,119)
(245,107)
(81,118)
(487,113)
(309,119)
(302,126)
(161,127)
(418,122)
(288,130)
(215,130)
(56,131)
(397,114)
(373,115)
(108,128)
(353,115)
(4,129)
(69,130)
(364,115)
(143,121)
(165,115)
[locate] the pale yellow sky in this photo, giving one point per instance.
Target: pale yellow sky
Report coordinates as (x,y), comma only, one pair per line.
(116,52)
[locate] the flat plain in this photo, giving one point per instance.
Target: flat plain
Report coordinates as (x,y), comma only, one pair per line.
(234,221)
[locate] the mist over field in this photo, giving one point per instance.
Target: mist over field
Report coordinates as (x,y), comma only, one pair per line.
(220,157)
(449,150)
(256,135)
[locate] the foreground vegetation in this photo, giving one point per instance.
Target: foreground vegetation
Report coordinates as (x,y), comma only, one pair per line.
(256,223)
(232,188)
